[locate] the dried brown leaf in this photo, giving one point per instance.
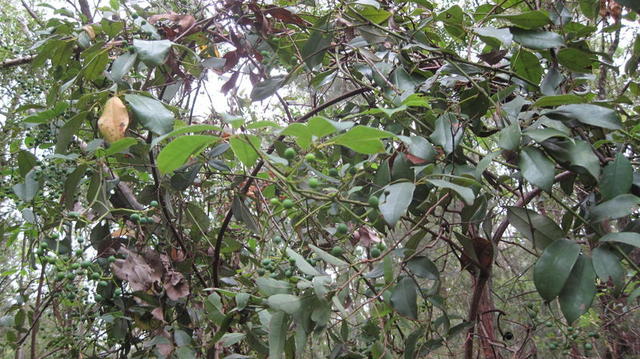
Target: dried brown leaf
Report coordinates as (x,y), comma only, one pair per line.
(114,120)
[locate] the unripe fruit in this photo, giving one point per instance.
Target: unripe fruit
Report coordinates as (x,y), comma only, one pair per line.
(337,251)
(95,276)
(588,346)
(310,157)
(289,153)
(341,228)
(153,203)
(381,246)
(287,204)
(261,271)
(373,201)
(111,259)
(333,172)
(117,292)
(103,283)
(274,202)
(135,217)
(277,239)
(98,298)
(75,266)
(313,182)
(60,276)
(44,245)
(375,252)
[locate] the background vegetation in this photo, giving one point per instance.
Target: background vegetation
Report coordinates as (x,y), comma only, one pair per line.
(341,179)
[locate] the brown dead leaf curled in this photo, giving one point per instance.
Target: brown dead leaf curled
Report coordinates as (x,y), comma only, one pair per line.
(366,236)
(114,120)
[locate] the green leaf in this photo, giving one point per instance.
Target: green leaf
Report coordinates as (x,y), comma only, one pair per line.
(630,238)
(619,206)
(363,139)
(527,65)
(581,155)
(608,267)
(554,267)
(447,133)
(578,293)
(26,162)
(46,115)
(537,39)
(539,229)
(588,114)
(122,65)
(536,168)
(404,298)
(502,35)
(265,89)
(632,4)
(270,286)
(557,100)
(465,193)
(510,137)
(153,115)
(96,66)
(316,46)
(301,133)
(419,147)
(423,267)
(229,339)
(178,151)
(244,150)
(395,200)
(278,327)
(287,303)
(575,60)
(527,20)
(242,213)
(617,177)
(302,264)
(71,185)
(484,164)
(543,134)
(152,53)
(119,146)
(27,190)
(328,257)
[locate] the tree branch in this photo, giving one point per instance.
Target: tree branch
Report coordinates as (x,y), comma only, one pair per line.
(15,62)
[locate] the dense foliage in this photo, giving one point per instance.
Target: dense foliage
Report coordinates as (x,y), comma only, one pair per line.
(381,179)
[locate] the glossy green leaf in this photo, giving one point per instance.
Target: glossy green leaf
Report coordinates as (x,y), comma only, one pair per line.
(447,133)
(553,268)
(229,339)
(543,134)
(302,264)
(617,177)
(581,155)
(527,65)
(423,267)
(122,65)
(588,114)
(267,88)
(575,60)
(270,286)
(557,100)
(537,39)
(120,146)
(395,201)
(46,115)
(539,229)
(316,46)
(96,66)
(244,150)
(152,113)
(28,189)
(608,267)
(503,36)
(619,206)
(363,139)
(404,298)
(152,52)
(178,151)
(536,168)
(26,162)
(630,238)
(465,193)
(527,20)
(287,303)
(278,327)
(328,257)
(510,137)
(419,147)
(577,295)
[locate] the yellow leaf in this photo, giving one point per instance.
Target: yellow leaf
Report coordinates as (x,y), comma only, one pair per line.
(114,120)
(90,31)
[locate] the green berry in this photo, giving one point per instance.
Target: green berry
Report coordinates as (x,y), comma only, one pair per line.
(95,276)
(44,245)
(79,252)
(337,251)
(274,201)
(117,292)
(588,346)
(103,283)
(60,276)
(261,271)
(310,157)
(375,252)
(381,246)
(333,172)
(373,201)
(111,259)
(570,329)
(98,298)
(341,228)
(153,203)
(266,262)
(75,266)
(135,217)
(39,252)
(288,273)
(287,204)
(54,235)
(70,275)
(80,240)
(313,182)
(548,324)
(553,346)
(277,239)
(289,153)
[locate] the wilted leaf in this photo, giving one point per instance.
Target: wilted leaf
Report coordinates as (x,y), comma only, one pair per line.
(114,120)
